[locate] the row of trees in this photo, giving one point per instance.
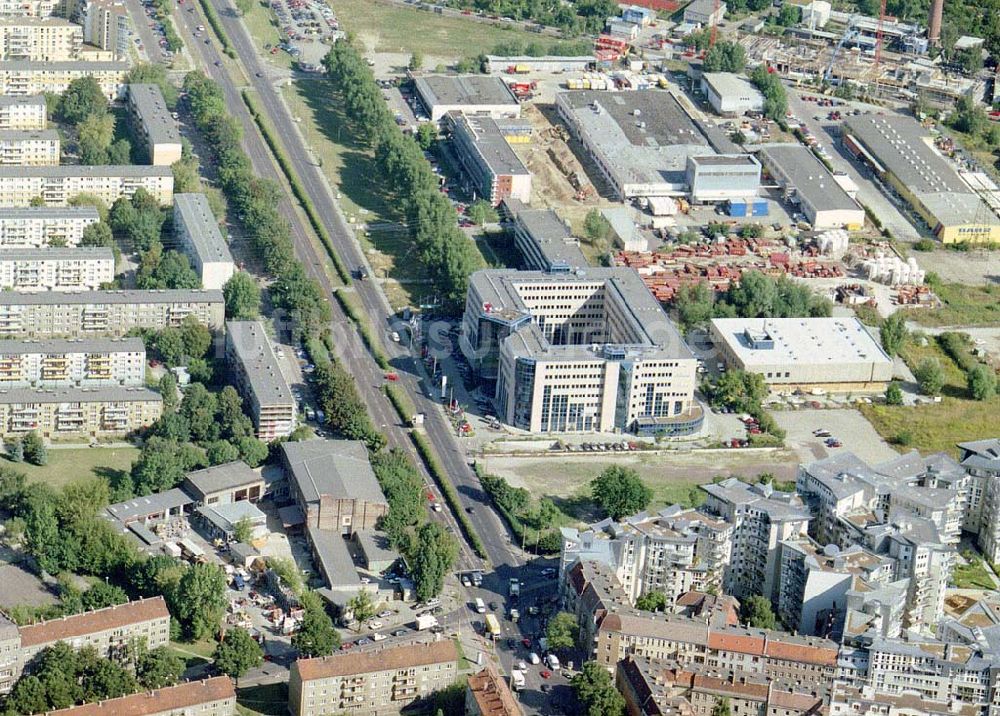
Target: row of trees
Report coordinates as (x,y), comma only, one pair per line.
(448,255)
(581,16)
(187,345)
(755,295)
(255,201)
(775,98)
(725,56)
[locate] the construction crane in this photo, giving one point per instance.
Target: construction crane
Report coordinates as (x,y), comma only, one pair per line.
(715,23)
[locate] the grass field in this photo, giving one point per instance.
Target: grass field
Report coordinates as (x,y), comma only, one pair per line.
(262,25)
(389,28)
(963,306)
(69,464)
(268,700)
(972,575)
(938,426)
(954,377)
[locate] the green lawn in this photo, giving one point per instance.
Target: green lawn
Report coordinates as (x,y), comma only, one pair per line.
(390,28)
(963,306)
(262,24)
(973,575)
(69,464)
(268,699)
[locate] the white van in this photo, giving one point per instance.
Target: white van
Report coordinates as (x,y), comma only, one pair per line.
(480,606)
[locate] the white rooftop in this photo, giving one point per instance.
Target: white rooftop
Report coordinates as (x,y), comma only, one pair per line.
(801,340)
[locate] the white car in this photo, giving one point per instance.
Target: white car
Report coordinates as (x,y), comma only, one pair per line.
(373,625)
(384,615)
(534,658)
(522,666)
(466,582)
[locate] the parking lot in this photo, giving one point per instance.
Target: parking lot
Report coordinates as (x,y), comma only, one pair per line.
(848,427)
(308,29)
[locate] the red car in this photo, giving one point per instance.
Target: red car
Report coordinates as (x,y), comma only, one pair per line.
(527,643)
(545,673)
(346,645)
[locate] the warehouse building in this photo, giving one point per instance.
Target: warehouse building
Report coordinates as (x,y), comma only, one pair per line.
(524,64)
(469,94)
(39,226)
(806,182)
(57,269)
(899,151)
(27,113)
(39,39)
(78,412)
(640,141)
(90,363)
(37,148)
(583,351)
(544,240)
(198,232)
(258,377)
(731,95)
(153,125)
(27,77)
(57,185)
(833,354)
(722,177)
(492,169)
(105,313)
(705,12)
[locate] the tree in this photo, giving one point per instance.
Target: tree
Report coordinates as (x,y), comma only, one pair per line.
(416,60)
(930,376)
(95,134)
(107,680)
(562,632)
(596,226)
(168,391)
(694,305)
(169,344)
(159,668)
(982,382)
(102,595)
(196,337)
(596,691)
(237,653)
(98,234)
(15,450)
(757,611)
(361,607)
(316,635)
(82,98)
(34,449)
(620,492)
(725,56)
(242,297)
(894,334)
(243,530)
(200,602)
(482,212)
(433,554)
(789,15)
(652,602)
(252,451)
(722,707)
(740,390)
(29,696)
(893,394)
(426,135)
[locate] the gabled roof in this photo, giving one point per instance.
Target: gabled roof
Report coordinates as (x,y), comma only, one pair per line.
(333,468)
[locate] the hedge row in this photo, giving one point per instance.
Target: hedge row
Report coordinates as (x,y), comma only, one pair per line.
(449,492)
(296,183)
(216,24)
(400,402)
(364,328)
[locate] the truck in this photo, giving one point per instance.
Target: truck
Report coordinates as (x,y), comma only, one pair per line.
(426,621)
(492,626)
(515,588)
(517,679)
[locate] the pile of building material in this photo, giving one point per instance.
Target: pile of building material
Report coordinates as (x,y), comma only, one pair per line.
(833,242)
(893,271)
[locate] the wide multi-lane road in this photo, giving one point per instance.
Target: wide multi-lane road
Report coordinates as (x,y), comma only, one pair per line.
(369,377)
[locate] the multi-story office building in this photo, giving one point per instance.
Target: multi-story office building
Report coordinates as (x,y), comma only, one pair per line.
(258,376)
(26,113)
(198,233)
(580,352)
(26,77)
(208,697)
(105,313)
(105,25)
(90,363)
(78,412)
(153,124)
(34,39)
(38,148)
(545,242)
(371,683)
(41,226)
(56,269)
(762,518)
(674,551)
(111,631)
(493,170)
(55,186)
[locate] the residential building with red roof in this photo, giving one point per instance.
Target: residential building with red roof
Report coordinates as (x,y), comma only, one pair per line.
(208,697)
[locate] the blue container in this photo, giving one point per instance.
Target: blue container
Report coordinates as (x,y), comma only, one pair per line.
(738,208)
(760,207)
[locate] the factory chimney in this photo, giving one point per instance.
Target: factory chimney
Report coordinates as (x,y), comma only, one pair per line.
(934,26)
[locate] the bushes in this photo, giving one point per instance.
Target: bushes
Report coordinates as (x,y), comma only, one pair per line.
(364,328)
(215,22)
(511,503)
(401,402)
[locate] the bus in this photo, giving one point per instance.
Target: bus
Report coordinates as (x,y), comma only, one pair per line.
(492,626)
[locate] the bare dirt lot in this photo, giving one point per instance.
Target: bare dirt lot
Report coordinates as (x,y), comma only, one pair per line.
(979,266)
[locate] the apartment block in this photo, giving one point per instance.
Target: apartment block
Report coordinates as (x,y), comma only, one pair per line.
(866,701)
(40,226)
(20,78)
(34,39)
(59,363)
(258,377)
(32,8)
(981,460)
(105,313)
(23,113)
(197,230)
(57,185)
(208,697)
(110,631)
(56,269)
(579,352)
(492,169)
(371,683)
(105,25)
(153,124)
(673,551)
(78,412)
(761,517)
(39,148)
